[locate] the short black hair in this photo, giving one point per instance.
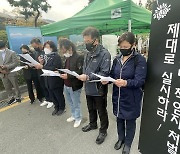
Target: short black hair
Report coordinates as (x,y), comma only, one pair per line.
(2,44)
(35,40)
(67,44)
(52,45)
(127,36)
(91,31)
(25,47)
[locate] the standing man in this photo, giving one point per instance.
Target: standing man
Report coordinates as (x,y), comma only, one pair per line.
(38,47)
(8,61)
(30,76)
(97,60)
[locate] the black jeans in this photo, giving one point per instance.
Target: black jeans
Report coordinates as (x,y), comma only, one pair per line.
(58,98)
(126,130)
(37,87)
(44,89)
(98,104)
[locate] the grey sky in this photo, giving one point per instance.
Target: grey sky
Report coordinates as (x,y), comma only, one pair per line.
(61,9)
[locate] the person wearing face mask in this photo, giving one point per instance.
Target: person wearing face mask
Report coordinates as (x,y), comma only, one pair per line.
(129,70)
(55,85)
(38,47)
(72,86)
(8,61)
(30,75)
(97,60)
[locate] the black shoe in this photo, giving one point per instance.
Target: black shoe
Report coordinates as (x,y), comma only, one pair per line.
(101,137)
(31,102)
(11,101)
(126,149)
(88,127)
(54,112)
(60,112)
(40,100)
(118,144)
(18,100)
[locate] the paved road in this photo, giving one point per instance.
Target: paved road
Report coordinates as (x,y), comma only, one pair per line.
(31,129)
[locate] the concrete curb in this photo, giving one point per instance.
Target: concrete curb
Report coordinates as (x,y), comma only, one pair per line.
(3,94)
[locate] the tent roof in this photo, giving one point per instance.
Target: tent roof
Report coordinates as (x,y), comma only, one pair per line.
(99,15)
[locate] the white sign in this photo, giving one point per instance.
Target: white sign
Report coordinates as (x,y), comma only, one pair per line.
(116,13)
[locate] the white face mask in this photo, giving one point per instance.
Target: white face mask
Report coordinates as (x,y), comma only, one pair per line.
(67,55)
(47,51)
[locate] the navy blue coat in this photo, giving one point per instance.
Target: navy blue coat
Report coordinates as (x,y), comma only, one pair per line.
(127,100)
(53,62)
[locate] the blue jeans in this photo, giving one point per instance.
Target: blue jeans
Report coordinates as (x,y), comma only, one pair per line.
(73,98)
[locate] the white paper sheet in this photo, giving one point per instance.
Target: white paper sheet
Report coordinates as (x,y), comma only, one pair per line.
(30,64)
(69,72)
(102,78)
(49,73)
(26,63)
(95,81)
(29,58)
(18,68)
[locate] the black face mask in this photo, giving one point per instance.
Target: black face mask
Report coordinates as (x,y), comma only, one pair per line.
(90,46)
(126,52)
(37,49)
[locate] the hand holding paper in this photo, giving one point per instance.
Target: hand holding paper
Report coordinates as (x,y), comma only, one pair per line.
(18,68)
(29,58)
(102,78)
(49,73)
(30,64)
(69,72)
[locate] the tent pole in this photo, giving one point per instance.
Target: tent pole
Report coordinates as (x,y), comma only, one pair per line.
(129,25)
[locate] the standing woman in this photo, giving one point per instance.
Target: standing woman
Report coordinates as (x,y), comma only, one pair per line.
(72,86)
(52,61)
(129,70)
(30,75)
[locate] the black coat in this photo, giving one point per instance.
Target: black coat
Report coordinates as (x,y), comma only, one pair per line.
(30,72)
(38,53)
(53,62)
(76,64)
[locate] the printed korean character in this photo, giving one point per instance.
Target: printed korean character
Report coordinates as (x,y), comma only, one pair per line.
(163,101)
(169,58)
(166,90)
(172,149)
(176,114)
(162,113)
(177,93)
(167,78)
(174,29)
(172,44)
(175,136)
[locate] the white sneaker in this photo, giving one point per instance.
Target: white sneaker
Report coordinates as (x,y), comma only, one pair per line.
(44,103)
(77,123)
(70,119)
(50,104)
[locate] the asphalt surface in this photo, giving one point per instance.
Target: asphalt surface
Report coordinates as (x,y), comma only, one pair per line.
(31,129)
